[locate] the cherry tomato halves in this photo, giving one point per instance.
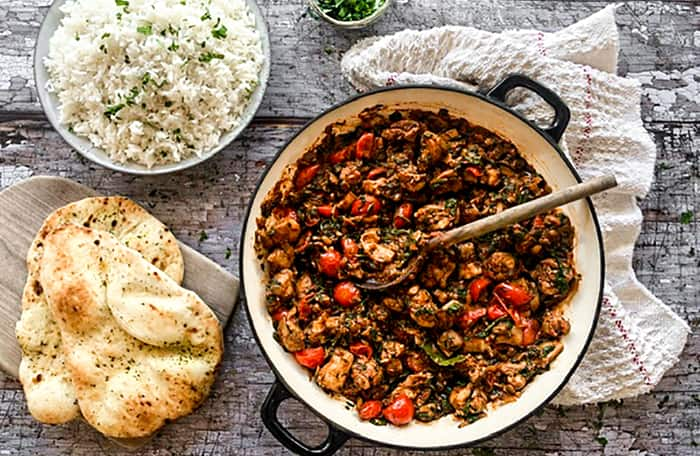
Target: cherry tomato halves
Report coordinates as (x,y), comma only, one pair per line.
(361,349)
(403,214)
(306,175)
(400,411)
(470,317)
(350,248)
(329,263)
(346,294)
(366,205)
(310,357)
(477,286)
(365,146)
(512,294)
(369,410)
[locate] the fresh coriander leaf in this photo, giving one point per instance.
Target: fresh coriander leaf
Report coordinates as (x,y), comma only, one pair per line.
(209,56)
(219,33)
(121,2)
(438,358)
(687,217)
(203,236)
(105,35)
(113,110)
(602,440)
(206,16)
(145,29)
(228,253)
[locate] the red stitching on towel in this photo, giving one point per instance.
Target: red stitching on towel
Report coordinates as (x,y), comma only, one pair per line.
(636,358)
(540,44)
(391,80)
(587,116)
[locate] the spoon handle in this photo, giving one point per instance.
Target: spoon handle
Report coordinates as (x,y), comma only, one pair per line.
(523,211)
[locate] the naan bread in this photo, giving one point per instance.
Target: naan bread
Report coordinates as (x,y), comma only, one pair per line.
(47,385)
(140,349)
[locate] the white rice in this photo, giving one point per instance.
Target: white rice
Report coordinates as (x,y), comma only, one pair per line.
(154,81)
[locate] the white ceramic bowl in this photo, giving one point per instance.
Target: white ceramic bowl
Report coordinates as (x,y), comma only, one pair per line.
(50,103)
(541,151)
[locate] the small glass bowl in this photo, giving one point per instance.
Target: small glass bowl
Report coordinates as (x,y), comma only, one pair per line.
(372,18)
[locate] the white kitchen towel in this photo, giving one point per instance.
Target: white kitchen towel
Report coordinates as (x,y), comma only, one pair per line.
(638,337)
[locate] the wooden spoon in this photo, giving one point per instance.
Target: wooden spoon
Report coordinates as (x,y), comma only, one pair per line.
(495,222)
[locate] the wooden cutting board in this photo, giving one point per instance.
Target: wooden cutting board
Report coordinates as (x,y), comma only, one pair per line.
(23,208)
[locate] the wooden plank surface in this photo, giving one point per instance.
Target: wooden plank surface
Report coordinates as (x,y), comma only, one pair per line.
(23,208)
(205,206)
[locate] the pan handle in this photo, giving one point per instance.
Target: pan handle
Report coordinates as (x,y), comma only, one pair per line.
(278,394)
(561,111)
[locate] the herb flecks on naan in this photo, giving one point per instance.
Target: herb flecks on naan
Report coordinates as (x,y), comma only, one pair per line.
(140,349)
(47,384)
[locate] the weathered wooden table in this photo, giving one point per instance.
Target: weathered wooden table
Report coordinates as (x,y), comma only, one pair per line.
(205,205)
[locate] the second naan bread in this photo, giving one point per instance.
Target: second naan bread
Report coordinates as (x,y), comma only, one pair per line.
(47,385)
(140,349)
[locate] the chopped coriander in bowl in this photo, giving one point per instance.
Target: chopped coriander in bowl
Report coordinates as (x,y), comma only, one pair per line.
(350,14)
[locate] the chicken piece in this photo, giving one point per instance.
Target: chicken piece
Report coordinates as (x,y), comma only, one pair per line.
(438,271)
(282,284)
(467,252)
(379,313)
(350,175)
(515,380)
(394,368)
(391,350)
(437,216)
(407,332)
(493,176)
(448,181)
(511,369)
(290,334)
(393,304)
(510,336)
(410,179)
(554,324)
(417,361)
(459,397)
(515,383)
(346,203)
(554,279)
(366,373)
(428,412)
(280,258)
(332,375)
(468,271)
(322,328)
(282,228)
(358,326)
(550,350)
(476,345)
(402,130)
(305,285)
(421,307)
(478,402)
(432,149)
(501,266)
(370,242)
(415,386)
(450,342)
(417,380)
